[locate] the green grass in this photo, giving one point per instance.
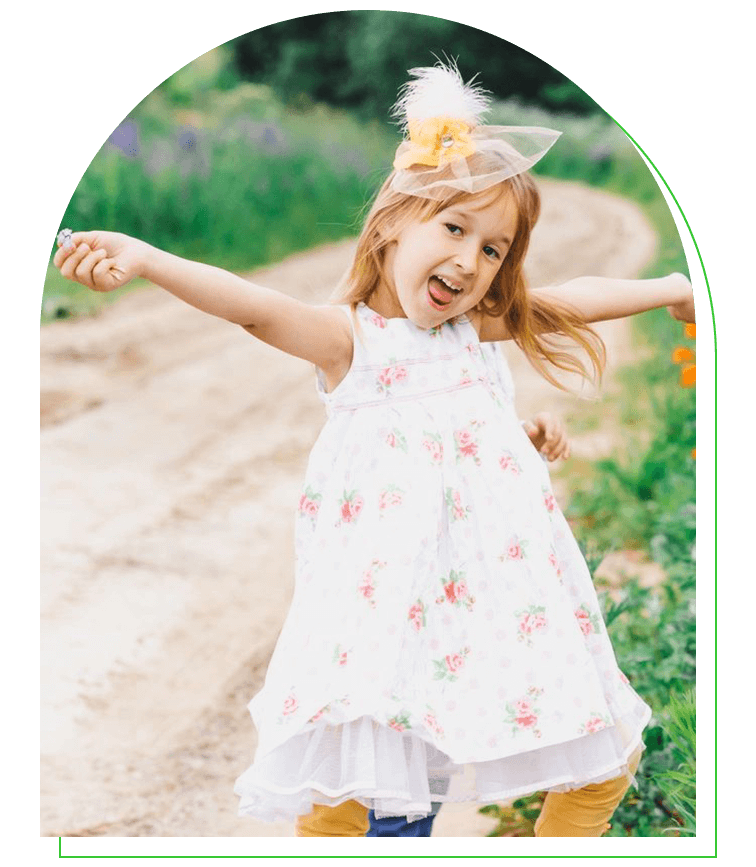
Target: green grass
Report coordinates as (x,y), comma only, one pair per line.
(236,182)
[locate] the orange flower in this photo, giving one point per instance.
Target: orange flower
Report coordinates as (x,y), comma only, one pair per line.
(434,141)
(688,376)
(693,454)
(682,354)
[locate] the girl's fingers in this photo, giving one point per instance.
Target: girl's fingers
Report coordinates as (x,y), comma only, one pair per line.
(558,443)
(72,260)
(84,269)
(102,275)
(61,254)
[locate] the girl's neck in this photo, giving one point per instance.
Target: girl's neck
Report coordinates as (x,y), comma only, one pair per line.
(383,301)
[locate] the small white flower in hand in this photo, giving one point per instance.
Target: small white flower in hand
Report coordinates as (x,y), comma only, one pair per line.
(65,239)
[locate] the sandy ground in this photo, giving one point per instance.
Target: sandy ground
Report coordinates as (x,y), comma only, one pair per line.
(173,446)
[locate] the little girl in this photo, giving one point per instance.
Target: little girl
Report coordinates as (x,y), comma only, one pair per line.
(443,617)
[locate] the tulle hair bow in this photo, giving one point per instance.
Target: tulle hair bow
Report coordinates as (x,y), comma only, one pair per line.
(447,147)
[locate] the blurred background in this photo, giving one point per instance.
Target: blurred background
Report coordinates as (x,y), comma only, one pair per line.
(276,140)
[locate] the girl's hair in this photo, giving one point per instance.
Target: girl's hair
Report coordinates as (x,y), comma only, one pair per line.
(536,325)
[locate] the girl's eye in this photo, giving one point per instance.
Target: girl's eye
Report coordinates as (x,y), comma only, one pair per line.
(489,251)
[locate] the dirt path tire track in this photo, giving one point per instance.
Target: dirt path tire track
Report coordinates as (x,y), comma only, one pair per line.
(172,452)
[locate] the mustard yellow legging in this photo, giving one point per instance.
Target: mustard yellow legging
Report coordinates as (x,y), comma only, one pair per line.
(580,813)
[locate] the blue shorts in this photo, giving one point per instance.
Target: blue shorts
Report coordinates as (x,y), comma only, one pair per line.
(398,826)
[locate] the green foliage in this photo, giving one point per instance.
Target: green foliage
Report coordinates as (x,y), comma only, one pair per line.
(359,59)
(517,819)
(679,786)
(644,496)
(237,182)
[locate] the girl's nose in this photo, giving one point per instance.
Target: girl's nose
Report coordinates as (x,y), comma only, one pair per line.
(467,259)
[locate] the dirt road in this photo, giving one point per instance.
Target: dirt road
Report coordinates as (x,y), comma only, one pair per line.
(172,451)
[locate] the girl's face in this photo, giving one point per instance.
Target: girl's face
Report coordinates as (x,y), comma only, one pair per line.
(443,267)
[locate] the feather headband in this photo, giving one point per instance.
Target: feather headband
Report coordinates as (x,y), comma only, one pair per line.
(446,147)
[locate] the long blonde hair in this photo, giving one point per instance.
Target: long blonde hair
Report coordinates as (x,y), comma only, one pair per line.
(535,325)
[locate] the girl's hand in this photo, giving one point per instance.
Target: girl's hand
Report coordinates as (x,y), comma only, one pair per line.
(103,261)
(549,435)
(684,309)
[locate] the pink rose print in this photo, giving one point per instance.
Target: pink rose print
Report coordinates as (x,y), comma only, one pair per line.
(290,705)
(389,376)
(532,619)
(340,657)
(525,717)
(367,587)
(457,511)
(432,723)
(448,667)
(515,549)
(589,623)
(454,662)
(624,679)
(549,501)
(390,496)
(555,563)
(522,715)
(465,378)
(466,444)
(584,619)
(327,709)
(455,590)
(508,463)
(594,724)
(351,506)
(309,504)
(400,722)
(378,320)
(432,444)
(416,615)
(396,439)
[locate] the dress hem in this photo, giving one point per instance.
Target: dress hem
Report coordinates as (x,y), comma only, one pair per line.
(270,801)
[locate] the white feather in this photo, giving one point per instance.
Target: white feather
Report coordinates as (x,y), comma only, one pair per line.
(439,91)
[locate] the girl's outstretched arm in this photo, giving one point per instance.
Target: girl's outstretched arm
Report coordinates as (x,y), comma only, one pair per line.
(597,299)
(104,261)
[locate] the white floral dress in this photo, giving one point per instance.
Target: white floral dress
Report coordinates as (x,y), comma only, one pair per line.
(443,618)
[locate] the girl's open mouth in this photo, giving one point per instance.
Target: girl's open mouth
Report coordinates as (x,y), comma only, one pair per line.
(440,294)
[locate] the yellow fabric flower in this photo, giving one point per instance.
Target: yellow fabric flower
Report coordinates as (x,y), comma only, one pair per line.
(435,141)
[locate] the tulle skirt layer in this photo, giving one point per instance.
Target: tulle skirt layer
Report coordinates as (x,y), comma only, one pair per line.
(400,774)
